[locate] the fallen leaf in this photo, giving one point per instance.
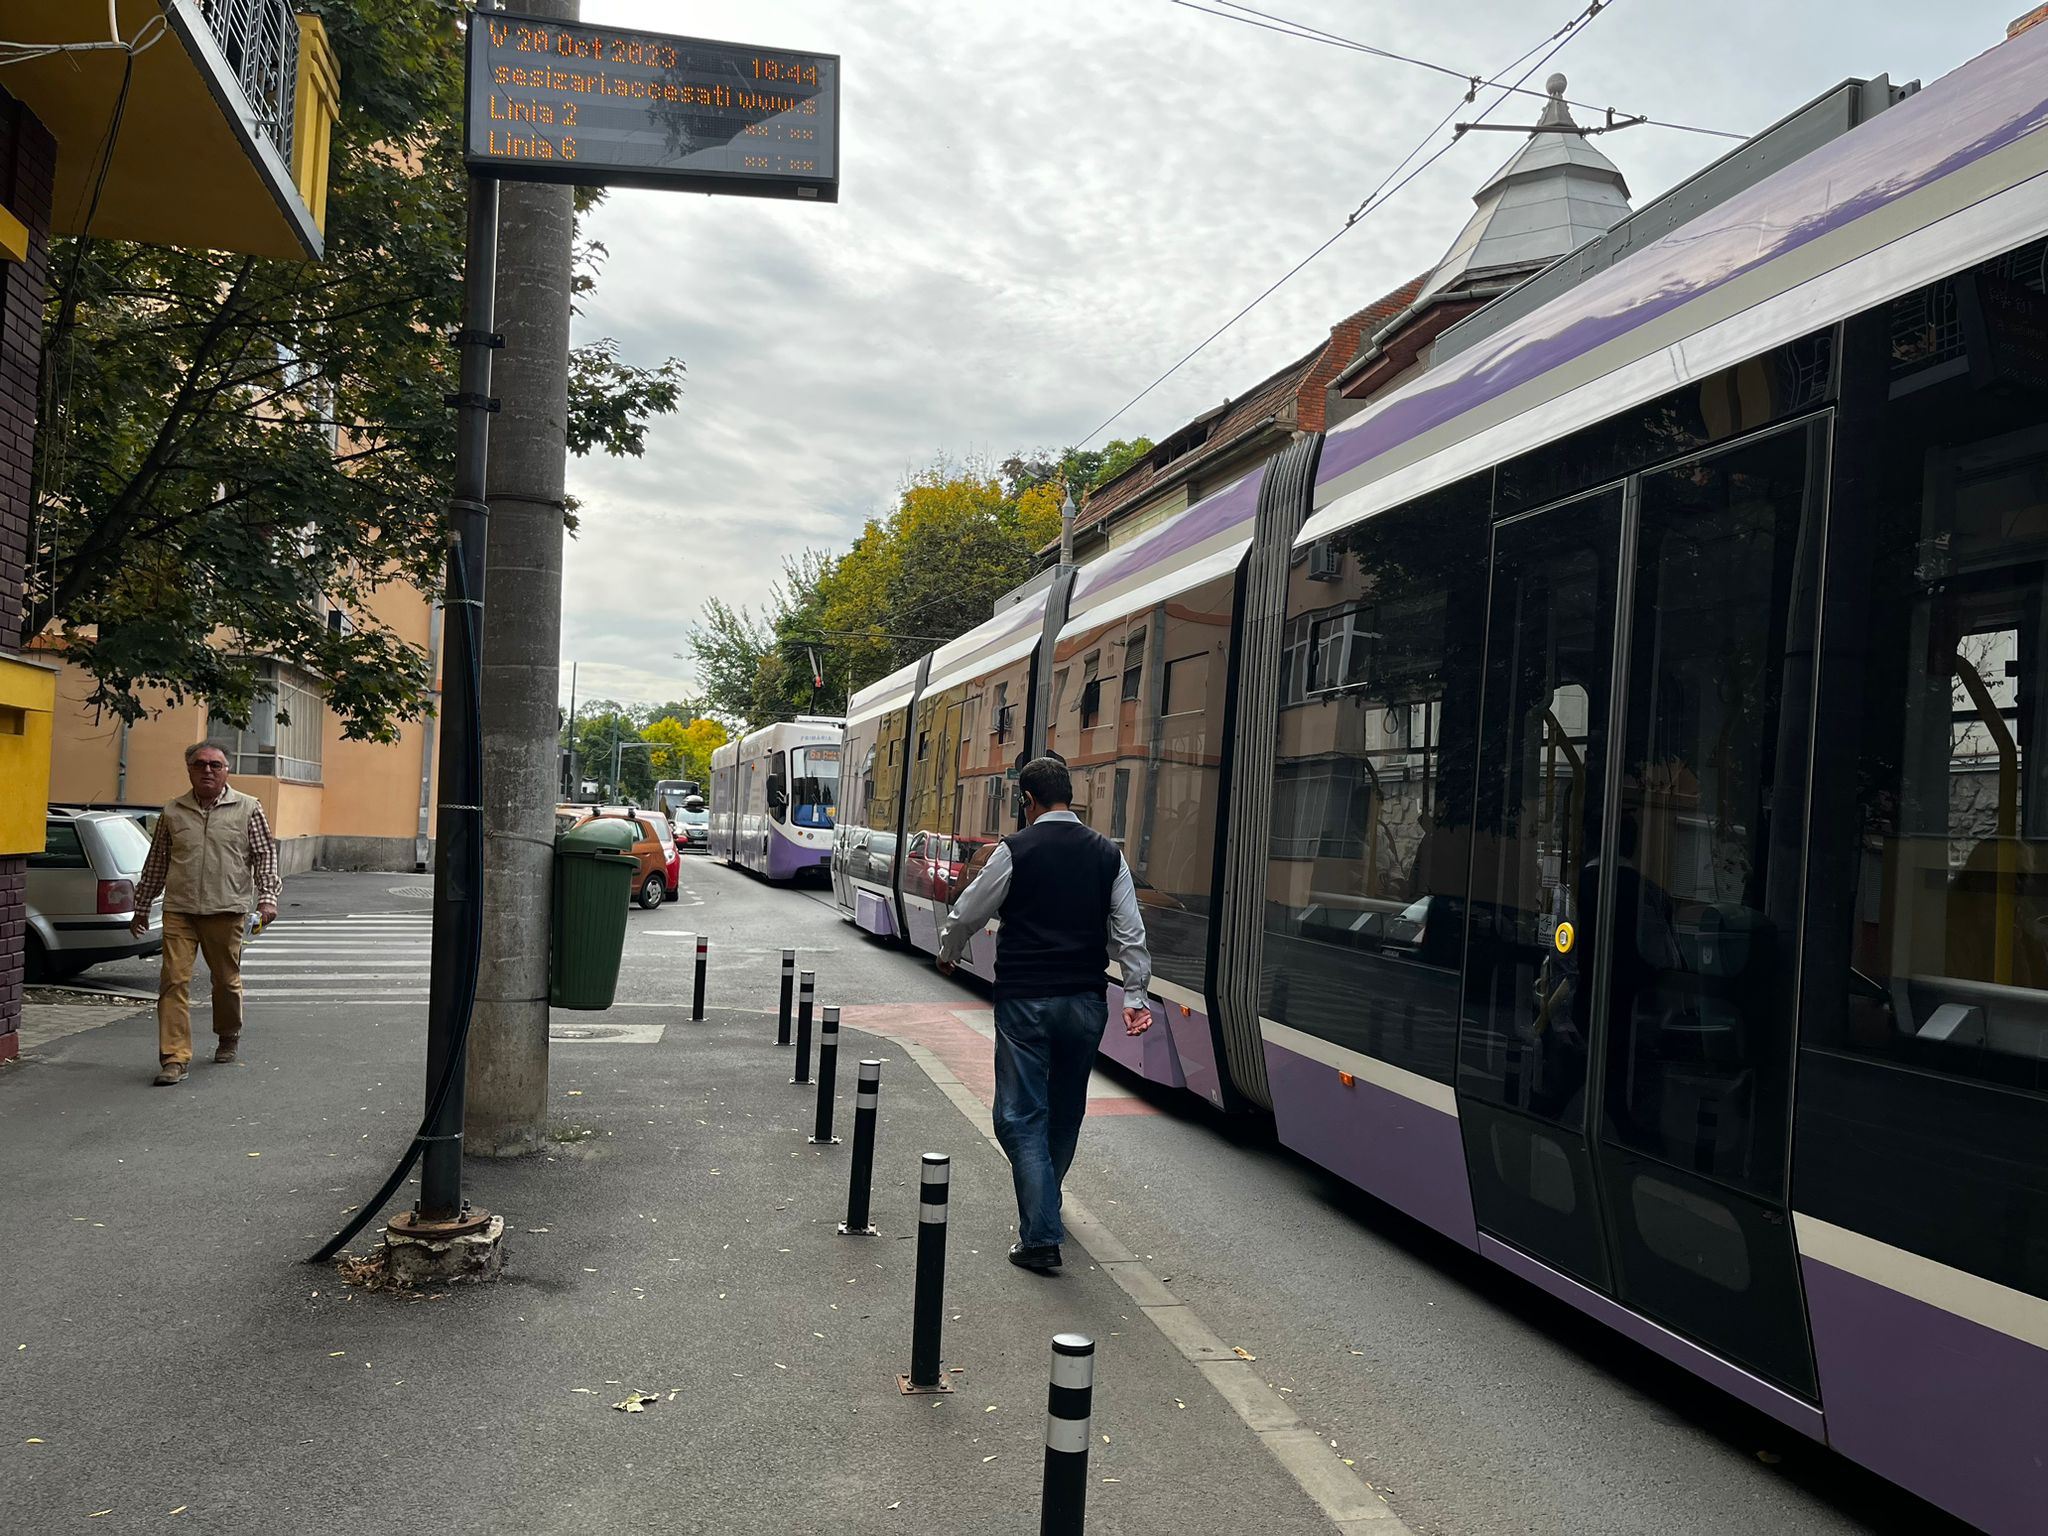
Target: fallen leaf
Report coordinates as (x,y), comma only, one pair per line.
(575,1093)
(897,1505)
(97,1513)
(1349,1462)
(986,1460)
(1112,1479)
(1178,1403)
(255,1154)
(991,1408)
(336,1354)
(1242,1353)
(536,1229)
(1105,1439)
(634,1400)
(591,1390)
(34,1440)
(179,1510)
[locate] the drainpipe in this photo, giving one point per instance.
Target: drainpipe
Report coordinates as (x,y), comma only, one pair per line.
(121,766)
(1067,529)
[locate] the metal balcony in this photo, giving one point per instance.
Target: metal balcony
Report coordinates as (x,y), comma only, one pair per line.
(260,40)
(225,120)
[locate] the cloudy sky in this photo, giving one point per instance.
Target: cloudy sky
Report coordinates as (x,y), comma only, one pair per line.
(1044,204)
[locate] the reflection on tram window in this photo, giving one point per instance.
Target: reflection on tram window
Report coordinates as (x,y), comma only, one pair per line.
(1705,890)
(1536,878)
(1141,728)
(1924,1088)
(1372,804)
(814,786)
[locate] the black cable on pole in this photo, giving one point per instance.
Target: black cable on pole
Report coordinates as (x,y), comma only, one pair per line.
(473,956)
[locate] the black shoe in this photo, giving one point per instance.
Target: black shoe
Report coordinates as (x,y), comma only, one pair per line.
(1042,1257)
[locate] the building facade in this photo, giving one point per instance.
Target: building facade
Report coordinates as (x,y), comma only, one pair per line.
(225,114)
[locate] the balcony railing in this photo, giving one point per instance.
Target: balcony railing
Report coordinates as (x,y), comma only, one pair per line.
(260,39)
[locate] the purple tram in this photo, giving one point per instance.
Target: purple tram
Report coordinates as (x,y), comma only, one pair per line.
(775,798)
(1596,798)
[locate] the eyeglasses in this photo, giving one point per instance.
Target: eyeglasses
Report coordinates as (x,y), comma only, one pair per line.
(207,767)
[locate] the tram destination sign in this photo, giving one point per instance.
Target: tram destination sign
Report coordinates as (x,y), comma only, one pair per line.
(609,107)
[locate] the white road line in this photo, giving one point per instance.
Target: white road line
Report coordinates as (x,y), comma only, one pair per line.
(1349,1502)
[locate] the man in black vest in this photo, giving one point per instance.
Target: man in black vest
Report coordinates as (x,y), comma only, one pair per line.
(1066,899)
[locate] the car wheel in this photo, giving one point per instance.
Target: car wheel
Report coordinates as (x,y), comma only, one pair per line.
(653,892)
(36,963)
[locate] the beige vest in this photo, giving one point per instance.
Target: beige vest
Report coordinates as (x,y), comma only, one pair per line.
(210,855)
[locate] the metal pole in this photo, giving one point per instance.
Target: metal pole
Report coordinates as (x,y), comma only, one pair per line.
(866,1103)
(788,995)
(573,790)
(458,850)
(1069,1401)
(807,986)
(703,964)
(828,1079)
(927,1311)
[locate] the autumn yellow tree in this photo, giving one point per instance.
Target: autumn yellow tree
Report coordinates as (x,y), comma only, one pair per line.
(684,751)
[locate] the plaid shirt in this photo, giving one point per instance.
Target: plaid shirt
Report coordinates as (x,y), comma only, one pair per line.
(262,862)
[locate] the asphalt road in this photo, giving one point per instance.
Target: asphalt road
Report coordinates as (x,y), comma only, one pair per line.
(1476,1404)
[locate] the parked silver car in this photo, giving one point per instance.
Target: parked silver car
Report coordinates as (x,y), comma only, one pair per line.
(81,894)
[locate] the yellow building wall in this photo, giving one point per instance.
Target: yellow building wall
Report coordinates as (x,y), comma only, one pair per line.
(373,790)
(367,789)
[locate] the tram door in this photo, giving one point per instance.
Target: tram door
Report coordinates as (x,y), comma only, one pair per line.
(1631,975)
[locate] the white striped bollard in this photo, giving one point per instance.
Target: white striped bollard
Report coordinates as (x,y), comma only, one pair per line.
(866,1105)
(927,1308)
(703,960)
(1069,1401)
(806,992)
(828,1079)
(788,994)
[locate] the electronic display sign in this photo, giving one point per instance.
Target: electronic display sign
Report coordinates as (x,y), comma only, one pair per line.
(608,107)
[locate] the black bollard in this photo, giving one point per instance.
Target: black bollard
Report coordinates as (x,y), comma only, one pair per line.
(828,1079)
(928,1306)
(703,960)
(866,1102)
(788,994)
(806,992)
(1069,1400)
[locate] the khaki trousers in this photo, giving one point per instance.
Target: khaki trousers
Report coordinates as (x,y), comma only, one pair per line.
(219,936)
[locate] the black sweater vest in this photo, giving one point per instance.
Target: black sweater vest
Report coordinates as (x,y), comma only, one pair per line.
(1054,941)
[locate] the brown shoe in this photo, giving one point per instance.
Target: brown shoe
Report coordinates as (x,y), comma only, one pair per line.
(224,1052)
(173,1072)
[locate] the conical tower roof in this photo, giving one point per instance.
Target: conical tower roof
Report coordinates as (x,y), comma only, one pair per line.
(1554,194)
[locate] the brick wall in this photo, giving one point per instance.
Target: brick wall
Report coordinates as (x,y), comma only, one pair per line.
(28,168)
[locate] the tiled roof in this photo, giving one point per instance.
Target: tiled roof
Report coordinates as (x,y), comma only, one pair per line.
(1300,385)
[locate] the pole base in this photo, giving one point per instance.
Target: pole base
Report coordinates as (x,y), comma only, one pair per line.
(823,1141)
(413,1259)
(800,1082)
(409,1224)
(846,1231)
(910,1388)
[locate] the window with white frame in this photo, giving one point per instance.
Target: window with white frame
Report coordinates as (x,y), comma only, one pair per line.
(287,723)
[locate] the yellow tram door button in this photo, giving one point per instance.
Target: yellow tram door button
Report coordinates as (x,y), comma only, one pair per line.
(1564,938)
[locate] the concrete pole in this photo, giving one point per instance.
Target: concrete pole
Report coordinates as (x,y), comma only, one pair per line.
(508,1052)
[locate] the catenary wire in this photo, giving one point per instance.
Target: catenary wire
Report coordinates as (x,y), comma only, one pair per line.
(1374,201)
(1269,22)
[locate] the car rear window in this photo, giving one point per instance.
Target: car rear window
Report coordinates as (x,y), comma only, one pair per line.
(123,843)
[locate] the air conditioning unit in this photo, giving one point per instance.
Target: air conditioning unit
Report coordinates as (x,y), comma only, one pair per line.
(1325,561)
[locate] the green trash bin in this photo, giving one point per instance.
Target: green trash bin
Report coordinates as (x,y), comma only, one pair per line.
(595,868)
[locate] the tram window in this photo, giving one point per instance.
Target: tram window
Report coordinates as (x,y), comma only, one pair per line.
(1701,947)
(1372,803)
(1923,1116)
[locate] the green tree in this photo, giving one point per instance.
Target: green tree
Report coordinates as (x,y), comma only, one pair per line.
(599,724)
(1082,470)
(228,444)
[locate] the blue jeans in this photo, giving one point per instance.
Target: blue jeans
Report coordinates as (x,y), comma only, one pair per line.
(1045,1049)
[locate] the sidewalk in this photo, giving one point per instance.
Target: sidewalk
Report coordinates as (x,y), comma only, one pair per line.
(678,1241)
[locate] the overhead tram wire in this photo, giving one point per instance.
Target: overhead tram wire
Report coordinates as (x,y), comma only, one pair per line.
(1553,43)
(1286,27)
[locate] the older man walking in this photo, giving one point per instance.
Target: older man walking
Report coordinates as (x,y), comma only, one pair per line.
(1066,898)
(214,862)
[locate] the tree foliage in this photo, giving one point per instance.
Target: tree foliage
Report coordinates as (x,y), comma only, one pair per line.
(227,445)
(1078,469)
(683,751)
